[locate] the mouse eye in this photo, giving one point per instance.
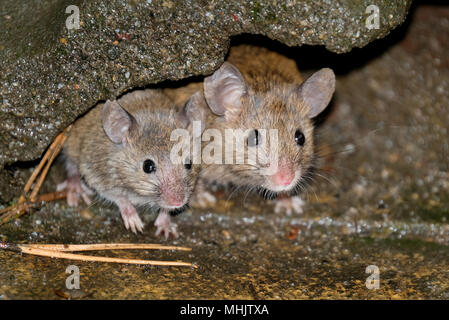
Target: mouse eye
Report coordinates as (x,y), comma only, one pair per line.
(253,138)
(149,166)
(300,139)
(188,164)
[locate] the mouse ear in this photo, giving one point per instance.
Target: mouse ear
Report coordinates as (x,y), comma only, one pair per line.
(223,90)
(117,122)
(317,91)
(195,109)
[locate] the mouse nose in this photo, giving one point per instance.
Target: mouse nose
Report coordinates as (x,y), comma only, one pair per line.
(174,199)
(173,189)
(175,202)
(283,177)
(283,180)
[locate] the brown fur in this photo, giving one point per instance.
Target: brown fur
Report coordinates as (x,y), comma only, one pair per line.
(115,171)
(269,104)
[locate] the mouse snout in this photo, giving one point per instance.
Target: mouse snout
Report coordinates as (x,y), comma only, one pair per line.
(173,199)
(173,194)
(283,177)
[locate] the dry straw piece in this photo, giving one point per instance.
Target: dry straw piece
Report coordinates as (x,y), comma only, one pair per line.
(61,251)
(23,206)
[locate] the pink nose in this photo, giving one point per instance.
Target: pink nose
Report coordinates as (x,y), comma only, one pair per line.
(172,191)
(283,181)
(172,198)
(283,177)
(175,203)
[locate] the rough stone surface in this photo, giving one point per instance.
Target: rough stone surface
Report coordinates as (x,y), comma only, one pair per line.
(50,75)
(381,198)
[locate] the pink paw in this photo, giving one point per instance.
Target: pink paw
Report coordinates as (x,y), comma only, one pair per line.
(165,226)
(289,205)
(74,189)
(130,216)
(134,223)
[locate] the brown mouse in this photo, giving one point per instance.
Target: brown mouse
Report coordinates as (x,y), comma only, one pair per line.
(120,150)
(255,90)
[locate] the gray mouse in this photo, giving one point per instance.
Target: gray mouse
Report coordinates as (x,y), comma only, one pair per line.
(120,151)
(257,89)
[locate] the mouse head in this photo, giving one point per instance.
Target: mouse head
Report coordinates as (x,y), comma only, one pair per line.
(283,108)
(142,141)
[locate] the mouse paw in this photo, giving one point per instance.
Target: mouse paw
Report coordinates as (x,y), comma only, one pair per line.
(204,199)
(165,226)
(134,223)
(289,205)
(74,189)
(130,216)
